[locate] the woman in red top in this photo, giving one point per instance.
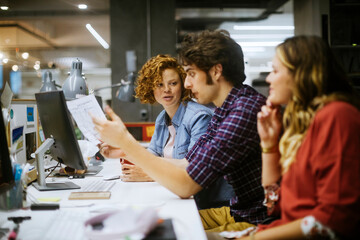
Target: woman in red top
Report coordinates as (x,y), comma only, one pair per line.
(312,176)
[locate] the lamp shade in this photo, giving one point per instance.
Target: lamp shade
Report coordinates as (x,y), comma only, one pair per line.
(75,84)
(48,84)
(126,92)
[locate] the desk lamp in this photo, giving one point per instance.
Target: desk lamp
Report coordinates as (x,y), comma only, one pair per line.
(48,84)
(75,84)
(126,93)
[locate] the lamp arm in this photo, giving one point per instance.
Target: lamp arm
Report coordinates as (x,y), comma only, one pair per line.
(121,83)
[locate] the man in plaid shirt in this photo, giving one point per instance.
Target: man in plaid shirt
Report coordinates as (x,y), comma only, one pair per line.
(230,148)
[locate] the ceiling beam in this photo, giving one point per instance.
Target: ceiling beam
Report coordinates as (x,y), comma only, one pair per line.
(51,13)
(34,34)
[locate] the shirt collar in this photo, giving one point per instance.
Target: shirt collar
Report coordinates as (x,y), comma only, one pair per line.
(176,121)
(231,97)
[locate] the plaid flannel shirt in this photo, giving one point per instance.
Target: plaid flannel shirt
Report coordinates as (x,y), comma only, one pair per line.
(230,148)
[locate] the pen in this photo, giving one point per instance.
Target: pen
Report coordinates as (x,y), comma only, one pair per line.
(44,206)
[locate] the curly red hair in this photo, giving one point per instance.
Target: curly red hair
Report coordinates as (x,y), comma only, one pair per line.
(150,76)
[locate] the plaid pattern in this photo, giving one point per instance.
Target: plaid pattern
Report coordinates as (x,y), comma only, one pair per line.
(230,148)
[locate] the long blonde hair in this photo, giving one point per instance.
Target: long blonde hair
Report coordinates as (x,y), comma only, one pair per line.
(318,80)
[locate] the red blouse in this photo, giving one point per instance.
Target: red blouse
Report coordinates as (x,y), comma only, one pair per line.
(324,181)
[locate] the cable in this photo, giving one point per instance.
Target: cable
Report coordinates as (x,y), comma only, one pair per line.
(52,169)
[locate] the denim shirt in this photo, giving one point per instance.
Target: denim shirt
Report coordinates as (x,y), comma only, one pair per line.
(190,122)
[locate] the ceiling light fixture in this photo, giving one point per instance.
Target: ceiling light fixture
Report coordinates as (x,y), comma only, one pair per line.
(37,65)
(238,27)
(258,44)
(4,8)
(260,36)
(15,68)
(82,6)
(253,49)
(97,36)
(25,55)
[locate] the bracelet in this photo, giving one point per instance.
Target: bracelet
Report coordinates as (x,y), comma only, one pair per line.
(272,149)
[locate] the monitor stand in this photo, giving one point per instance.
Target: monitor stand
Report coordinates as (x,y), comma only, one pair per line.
(93,170)
(41,185)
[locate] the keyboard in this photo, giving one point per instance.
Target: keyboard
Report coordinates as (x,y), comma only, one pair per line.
(97,185)
(67,225)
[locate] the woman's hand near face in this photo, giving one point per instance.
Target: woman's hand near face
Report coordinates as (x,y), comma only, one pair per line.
(133,173)
(111,131)
(269,128)
(269,125)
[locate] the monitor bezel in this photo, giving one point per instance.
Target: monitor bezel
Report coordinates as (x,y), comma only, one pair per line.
(56,123)
(8,179)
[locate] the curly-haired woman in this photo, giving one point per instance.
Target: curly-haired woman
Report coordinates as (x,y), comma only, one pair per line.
(179,125)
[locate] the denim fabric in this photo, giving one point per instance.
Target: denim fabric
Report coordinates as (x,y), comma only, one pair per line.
(190,122)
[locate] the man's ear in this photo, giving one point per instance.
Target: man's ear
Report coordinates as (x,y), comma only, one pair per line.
(217,71)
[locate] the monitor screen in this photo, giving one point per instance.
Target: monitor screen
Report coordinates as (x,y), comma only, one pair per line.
(56,122)
(30,142)
(6,173)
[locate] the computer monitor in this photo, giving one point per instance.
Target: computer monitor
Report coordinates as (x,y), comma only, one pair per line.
(60,138)
(6,173)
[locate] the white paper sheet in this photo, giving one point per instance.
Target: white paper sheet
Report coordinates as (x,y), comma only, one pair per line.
(6,96)
(80,109)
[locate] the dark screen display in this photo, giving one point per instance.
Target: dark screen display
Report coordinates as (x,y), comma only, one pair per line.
(6,173)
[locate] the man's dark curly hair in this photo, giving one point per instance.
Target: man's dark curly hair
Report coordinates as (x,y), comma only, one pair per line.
(208,48)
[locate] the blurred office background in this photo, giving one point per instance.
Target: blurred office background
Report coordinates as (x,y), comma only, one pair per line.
(47,35)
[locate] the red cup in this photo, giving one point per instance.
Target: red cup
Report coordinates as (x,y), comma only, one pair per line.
(124,161)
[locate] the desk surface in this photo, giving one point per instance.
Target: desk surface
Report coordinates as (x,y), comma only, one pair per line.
(183,212)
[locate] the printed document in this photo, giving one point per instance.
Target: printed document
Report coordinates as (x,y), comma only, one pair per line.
(6,96)
(80,109)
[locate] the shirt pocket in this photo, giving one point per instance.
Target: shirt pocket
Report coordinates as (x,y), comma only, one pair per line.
(157,147)
(182,143)
(182,150)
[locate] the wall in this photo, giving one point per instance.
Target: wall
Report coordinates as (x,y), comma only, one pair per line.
(308,16)
(96,78)
(142,26)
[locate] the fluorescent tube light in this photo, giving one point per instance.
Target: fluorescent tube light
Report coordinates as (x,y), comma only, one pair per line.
(82,6)
(237,27)
(97,36)
(260,36)
(258,44)
(253,49)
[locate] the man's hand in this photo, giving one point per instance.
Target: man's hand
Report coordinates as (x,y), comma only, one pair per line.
(111,131)
(133,173)
(111,152)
